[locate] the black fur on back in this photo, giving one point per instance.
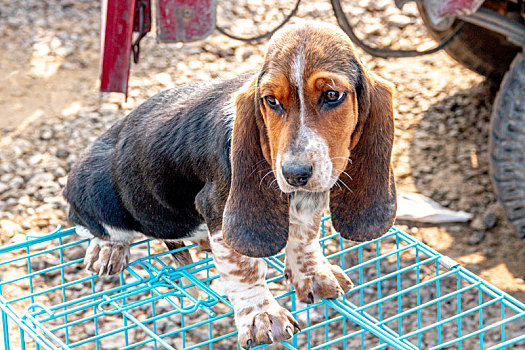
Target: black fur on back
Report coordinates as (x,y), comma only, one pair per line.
(145,172)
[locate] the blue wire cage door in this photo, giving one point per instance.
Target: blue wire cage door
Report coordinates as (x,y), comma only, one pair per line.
(407,296)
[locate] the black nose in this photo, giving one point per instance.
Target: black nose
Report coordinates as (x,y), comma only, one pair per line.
(297,174)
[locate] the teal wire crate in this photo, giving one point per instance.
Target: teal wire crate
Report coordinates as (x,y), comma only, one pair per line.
(407,296)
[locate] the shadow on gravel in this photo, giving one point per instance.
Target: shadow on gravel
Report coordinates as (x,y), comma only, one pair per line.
(449,161)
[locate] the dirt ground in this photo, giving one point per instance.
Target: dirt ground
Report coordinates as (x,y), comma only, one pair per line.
(51,110)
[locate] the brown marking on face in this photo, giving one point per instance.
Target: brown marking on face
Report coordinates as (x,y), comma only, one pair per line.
(277,86)
(334,125)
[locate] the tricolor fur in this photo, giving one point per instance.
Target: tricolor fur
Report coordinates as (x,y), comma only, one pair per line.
(257,159)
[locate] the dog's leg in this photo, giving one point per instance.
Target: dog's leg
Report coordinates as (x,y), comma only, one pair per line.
(258,316)
(107,256)
(307,268)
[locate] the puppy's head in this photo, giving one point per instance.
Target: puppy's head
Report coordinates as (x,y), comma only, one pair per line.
(318,122)
(308,89)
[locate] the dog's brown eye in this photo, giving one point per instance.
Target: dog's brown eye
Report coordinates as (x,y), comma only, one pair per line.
(332,96)
(272,101)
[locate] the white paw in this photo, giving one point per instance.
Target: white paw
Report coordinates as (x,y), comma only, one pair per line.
(106,257)
(264,324)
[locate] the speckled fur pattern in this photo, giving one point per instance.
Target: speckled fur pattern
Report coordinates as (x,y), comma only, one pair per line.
(258,316)
(306,267)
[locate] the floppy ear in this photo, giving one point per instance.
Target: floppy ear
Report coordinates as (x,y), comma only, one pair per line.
(368,210)
(255,219)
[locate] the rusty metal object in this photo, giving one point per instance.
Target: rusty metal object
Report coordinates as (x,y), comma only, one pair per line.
(185,20)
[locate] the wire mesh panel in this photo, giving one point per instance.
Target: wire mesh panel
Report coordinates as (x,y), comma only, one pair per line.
(407,296)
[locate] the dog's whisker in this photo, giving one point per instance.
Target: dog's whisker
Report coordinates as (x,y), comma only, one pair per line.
(271,183)
(259,162)
(347,158)
(257,170)
(345,185)
(256,165)
(344,172)
(348,188)
(268,173)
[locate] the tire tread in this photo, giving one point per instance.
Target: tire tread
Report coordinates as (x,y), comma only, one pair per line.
(507,144)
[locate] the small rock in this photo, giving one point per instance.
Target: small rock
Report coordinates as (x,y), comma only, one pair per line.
(377,5)
(372,29)
(400,21)
(10,228)
(62,153)
(164,79)
(476,238)
(108,108)
(242,53)
(46,134)
(478,224)
(490,220)
(39,180)
(35,159)
(3,187)
(6,178)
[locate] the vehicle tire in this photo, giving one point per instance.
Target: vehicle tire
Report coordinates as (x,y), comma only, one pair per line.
(507,144)
(477,48)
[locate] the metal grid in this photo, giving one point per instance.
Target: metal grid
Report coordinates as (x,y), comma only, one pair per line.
(407,296)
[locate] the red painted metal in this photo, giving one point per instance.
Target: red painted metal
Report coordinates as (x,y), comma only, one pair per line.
(117,30)
(178,20)
(185,20)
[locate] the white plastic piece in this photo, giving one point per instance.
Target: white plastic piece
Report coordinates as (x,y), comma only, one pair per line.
(416,207)
(448,262)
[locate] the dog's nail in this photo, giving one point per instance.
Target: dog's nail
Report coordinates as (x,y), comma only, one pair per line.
(296,327)
(289,331)
(310,298)
(286,275)
(270,335)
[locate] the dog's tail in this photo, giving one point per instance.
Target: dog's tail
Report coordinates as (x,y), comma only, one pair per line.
(182,257)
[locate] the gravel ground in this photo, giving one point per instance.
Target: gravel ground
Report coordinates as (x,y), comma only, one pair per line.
(52,111)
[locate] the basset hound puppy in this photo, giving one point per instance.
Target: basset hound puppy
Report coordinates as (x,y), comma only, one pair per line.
(257,158)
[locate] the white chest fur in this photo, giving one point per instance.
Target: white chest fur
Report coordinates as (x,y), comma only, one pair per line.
(305,205)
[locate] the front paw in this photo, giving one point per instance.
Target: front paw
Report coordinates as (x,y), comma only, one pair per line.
(326,281)
(264,325)
(105,257)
